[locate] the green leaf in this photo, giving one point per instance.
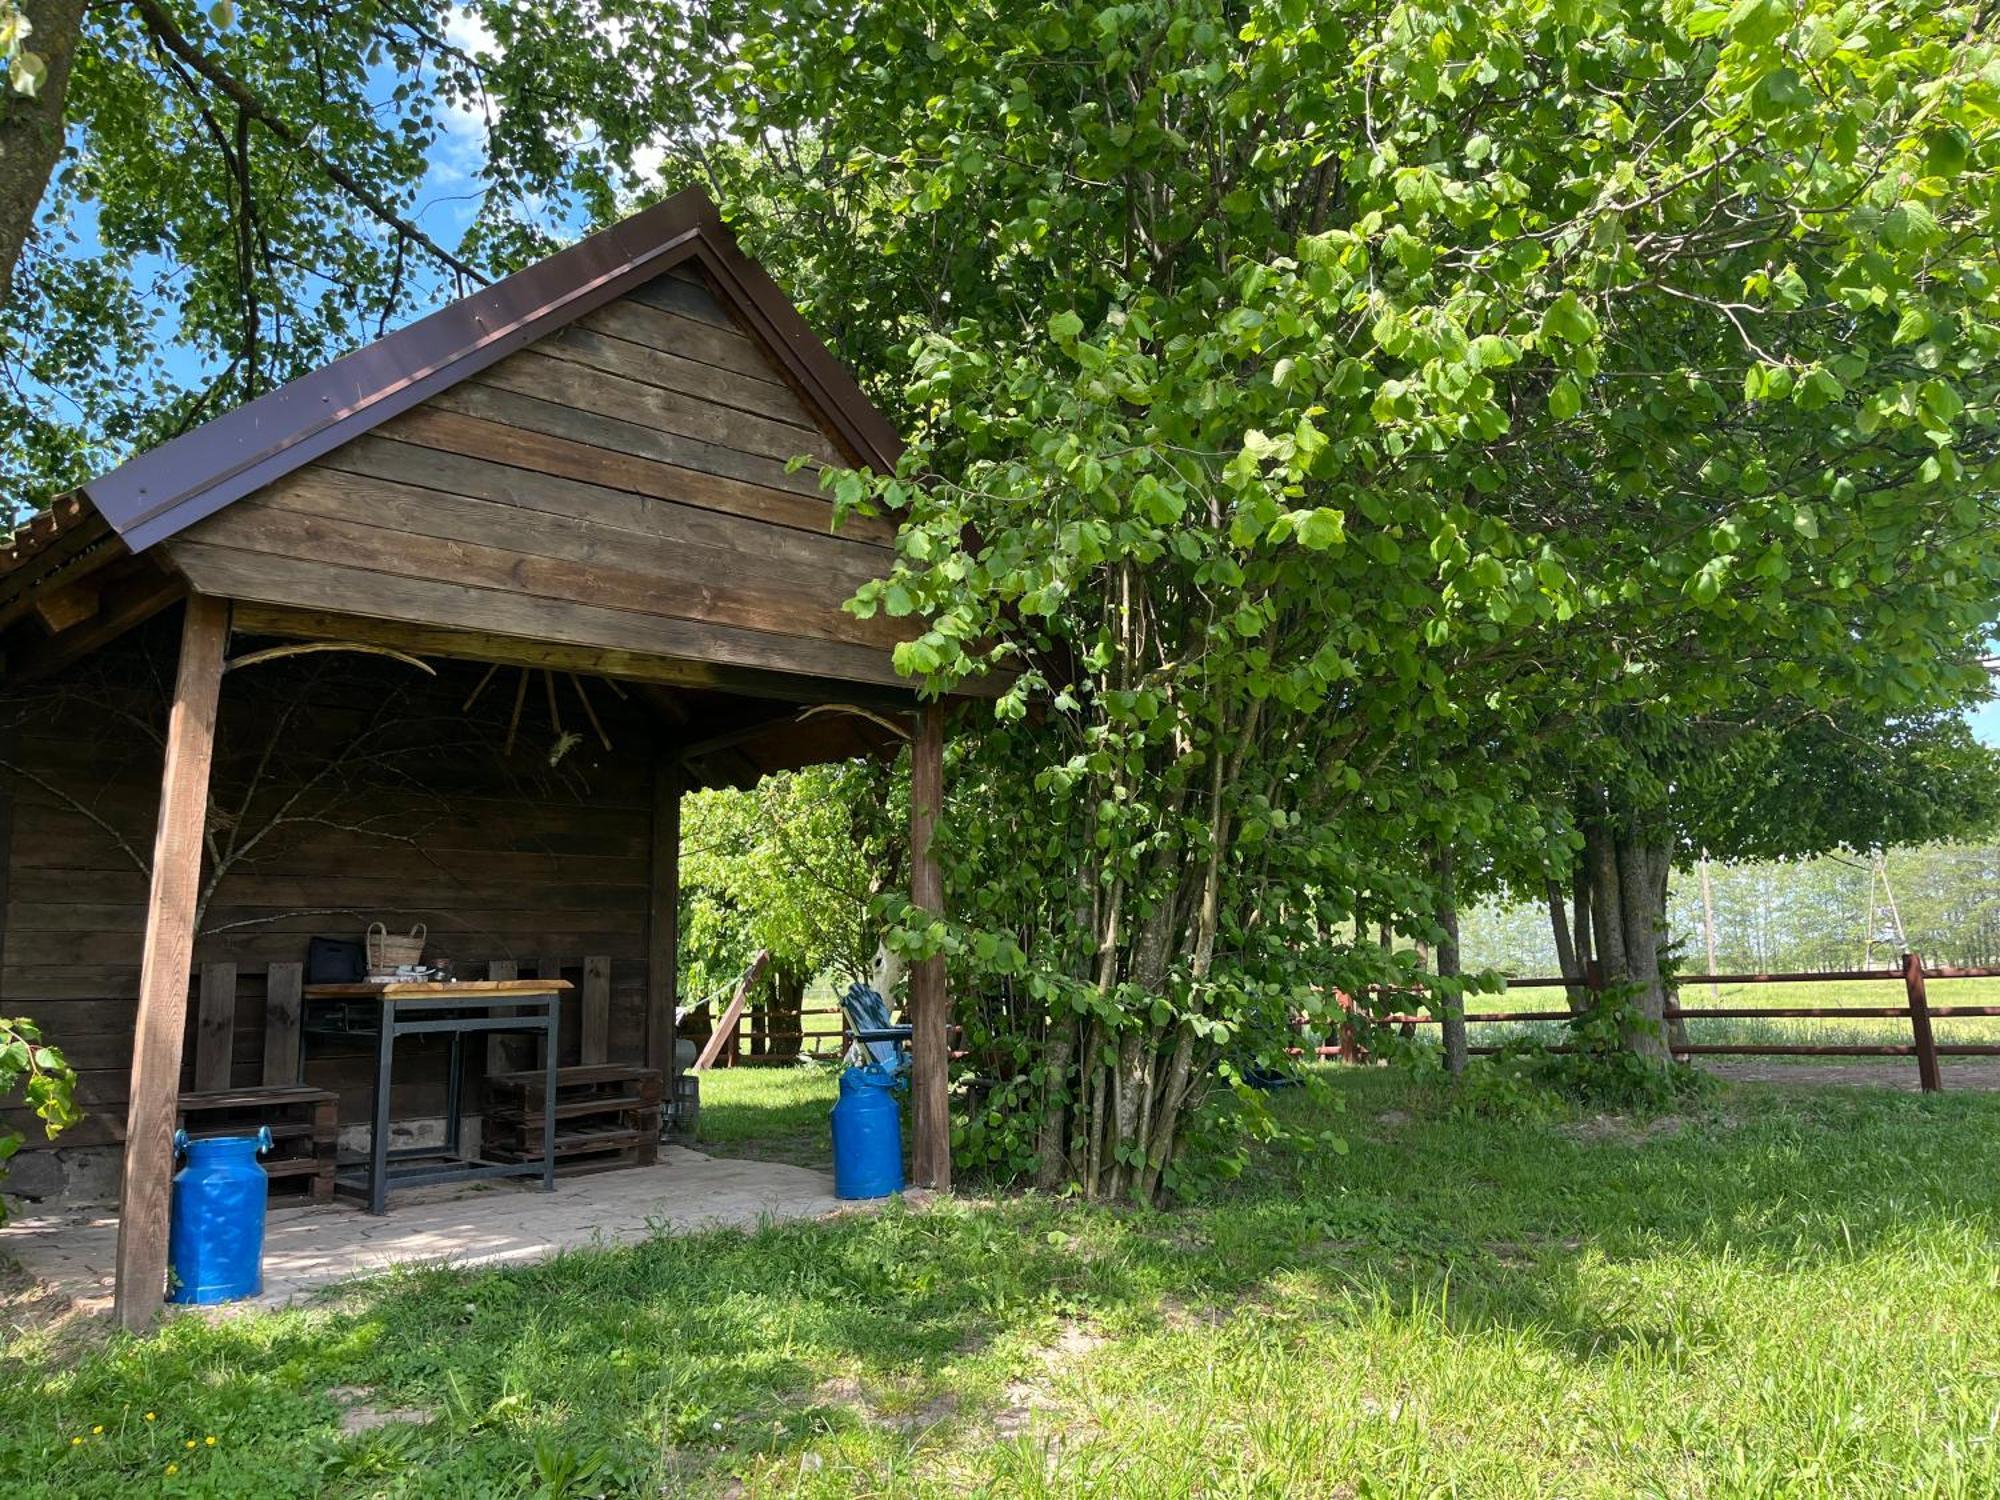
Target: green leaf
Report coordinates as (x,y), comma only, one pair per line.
(1914,324)
(1320,528)
(1569,320)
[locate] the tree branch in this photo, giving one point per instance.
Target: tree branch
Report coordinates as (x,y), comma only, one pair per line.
(168,34)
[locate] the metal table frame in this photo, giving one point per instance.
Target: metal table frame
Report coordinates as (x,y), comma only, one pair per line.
(432,1010)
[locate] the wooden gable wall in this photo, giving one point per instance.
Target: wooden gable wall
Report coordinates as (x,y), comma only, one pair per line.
(620,485)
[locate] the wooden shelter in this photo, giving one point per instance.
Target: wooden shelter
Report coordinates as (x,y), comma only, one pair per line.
(472,606)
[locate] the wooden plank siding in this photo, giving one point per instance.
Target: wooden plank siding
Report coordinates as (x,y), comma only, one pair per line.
(501,857)
(630,482)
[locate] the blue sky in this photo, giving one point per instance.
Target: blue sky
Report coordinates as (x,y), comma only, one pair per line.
(1985,722)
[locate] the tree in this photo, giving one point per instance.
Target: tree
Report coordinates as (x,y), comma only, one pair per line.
(1748,791)
(1302,400)
(199,202)
(794,866)
(44,1079)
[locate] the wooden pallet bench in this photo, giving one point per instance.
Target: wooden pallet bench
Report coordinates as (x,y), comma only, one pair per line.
(607,1116)
(304,1124)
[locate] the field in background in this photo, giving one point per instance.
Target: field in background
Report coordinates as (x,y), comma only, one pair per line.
(1858,1031)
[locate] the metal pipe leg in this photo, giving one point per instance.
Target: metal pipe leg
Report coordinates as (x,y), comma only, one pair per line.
(549,1098)
(378,1140)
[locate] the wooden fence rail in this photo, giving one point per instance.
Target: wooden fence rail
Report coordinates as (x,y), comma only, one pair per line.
(1917,1009)
(725,1046)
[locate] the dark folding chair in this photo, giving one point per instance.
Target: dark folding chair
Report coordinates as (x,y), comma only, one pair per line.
(887,1045)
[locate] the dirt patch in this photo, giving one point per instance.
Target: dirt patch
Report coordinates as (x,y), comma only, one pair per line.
(1031,1394)
(31,1307)
(1624,1128)
(1181,1318)
(1520,1254)
(848,1394)
(1897,1073)
(358,1413)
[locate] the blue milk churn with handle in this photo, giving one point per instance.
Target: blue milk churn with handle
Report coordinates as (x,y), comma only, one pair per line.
(215,1243)
(867,1135)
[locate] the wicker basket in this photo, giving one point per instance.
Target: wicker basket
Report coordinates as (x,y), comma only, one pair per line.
(387,954)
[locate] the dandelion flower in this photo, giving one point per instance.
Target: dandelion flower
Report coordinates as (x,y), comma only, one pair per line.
(151,1415)
(75,1442)
(210,1440)
(173,1468)
(98,1430)
(190,1442)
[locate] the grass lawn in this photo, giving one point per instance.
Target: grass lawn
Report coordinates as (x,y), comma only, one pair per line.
(774,1114)
(1783,1293)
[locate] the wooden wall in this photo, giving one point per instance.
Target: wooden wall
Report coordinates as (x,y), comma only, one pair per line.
(376,793)
(622,484)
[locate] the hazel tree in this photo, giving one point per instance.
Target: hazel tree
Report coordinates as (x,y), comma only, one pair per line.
(1304,397)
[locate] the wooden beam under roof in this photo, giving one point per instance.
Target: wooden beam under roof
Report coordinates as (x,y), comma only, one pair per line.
(469,645)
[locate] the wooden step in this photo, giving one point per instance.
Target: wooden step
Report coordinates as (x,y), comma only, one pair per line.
(572,1109)
(534,1079)
(277,1097)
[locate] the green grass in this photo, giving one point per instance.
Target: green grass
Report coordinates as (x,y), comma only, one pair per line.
(774,1114)
(1785,1293)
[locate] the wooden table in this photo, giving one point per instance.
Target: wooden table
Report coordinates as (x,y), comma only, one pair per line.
(385,1011)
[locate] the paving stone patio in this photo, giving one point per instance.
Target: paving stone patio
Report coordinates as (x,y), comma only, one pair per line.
(310,1247)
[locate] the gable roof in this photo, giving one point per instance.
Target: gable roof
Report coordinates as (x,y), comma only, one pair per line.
(168,488)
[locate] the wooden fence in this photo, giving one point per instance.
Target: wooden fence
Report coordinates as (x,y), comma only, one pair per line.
(1917,1009)
(741,1040)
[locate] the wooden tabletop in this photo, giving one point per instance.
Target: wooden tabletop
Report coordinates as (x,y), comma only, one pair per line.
(412,989)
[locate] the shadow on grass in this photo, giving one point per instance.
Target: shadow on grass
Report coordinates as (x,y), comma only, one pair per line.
(676,1361)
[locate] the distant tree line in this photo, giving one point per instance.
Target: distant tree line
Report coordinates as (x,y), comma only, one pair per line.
(1834,912)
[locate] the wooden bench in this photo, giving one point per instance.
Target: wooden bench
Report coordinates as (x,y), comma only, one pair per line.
(304,1122)
(304,1125)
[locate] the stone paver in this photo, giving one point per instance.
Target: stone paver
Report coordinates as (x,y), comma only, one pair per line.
(311,1247)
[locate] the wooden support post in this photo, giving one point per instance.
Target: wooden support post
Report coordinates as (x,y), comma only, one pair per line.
(165,962)
(663,939)
(930,1005)
(1920,1025)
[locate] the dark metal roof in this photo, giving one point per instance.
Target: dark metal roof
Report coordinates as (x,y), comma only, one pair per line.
(170,487)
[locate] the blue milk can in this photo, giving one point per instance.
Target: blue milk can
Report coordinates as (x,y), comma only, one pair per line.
(215,1243)
(867,1135)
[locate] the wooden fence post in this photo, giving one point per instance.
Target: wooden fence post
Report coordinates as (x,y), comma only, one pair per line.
(1920,1025)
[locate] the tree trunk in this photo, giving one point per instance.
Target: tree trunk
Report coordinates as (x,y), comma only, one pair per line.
(1607,903)
(31,130)
(1451,1017)
(783,1030)
(1052,1167)
(1569,963)
(1640,889)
